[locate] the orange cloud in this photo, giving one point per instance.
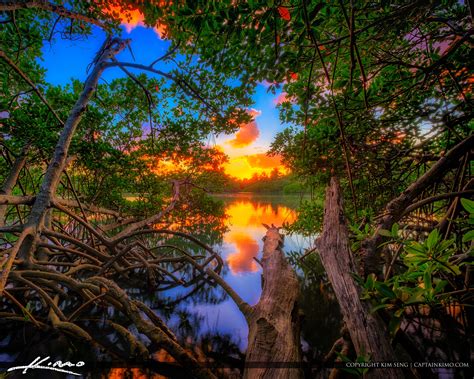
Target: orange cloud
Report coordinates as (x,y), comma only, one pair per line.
(264,161)
(282,98)
(131,18)
(242,260)
(248,132)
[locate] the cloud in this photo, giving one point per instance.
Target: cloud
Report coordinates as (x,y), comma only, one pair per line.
(264,161)
(242,260)
(245,166)
(248,132)
(133,18)
(283,97)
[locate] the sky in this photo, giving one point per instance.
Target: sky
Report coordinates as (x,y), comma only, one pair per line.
(65,60)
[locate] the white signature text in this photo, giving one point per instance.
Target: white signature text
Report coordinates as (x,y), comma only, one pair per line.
(40,364)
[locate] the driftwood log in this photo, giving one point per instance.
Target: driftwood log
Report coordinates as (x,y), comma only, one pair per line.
(274,325)
(274,322)
(274,349)
(367,331)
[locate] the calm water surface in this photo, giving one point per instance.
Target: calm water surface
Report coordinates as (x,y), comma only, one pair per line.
(242,242)
(206,313)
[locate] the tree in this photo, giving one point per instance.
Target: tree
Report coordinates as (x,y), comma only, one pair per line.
(378,94)
(62,237)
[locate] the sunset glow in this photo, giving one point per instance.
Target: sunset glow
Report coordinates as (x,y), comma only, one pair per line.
(246,158)
(246,219)
(244,151)
(245,166)
(133,18)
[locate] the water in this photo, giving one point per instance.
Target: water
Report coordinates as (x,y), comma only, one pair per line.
(205,315)
(241,243)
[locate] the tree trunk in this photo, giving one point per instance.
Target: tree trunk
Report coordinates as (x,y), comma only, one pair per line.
(395,209)
(367,330)
(11,180)
(55,168)
(274,323)
(25,244)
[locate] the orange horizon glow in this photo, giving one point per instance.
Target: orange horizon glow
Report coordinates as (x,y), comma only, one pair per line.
(245,166)
(238,167)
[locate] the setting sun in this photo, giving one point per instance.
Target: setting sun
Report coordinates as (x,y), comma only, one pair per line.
(244,167)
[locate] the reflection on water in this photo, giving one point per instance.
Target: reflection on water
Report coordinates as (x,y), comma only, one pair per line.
(242,260)
(241,243)
(202,316)
(245,219)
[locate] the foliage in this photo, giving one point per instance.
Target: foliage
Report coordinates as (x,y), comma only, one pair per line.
(263,183)
(432,270)
(373,92)
(362,85)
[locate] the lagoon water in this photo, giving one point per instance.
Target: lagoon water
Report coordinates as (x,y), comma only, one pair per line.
(203,314)
(241,243)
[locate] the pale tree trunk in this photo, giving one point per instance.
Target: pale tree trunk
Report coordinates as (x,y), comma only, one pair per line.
(368,332)
(274,323)
(38,220)
(25,244)
(57,164)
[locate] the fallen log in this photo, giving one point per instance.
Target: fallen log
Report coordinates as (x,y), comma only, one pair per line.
(274,322)
(274,349)
(367,331)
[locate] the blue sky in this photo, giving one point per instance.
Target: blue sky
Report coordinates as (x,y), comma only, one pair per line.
(65,60)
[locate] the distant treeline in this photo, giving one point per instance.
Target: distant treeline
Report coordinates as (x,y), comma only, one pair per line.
(275,182)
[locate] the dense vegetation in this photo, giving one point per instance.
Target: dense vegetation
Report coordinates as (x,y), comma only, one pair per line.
(263,183)
(377,94)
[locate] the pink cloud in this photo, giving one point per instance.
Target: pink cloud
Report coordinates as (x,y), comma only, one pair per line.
(248,132)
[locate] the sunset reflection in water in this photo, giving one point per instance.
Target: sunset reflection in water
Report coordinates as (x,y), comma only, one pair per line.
(246,214)
(245,219)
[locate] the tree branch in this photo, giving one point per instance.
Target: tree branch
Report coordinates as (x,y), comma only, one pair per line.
(46,5)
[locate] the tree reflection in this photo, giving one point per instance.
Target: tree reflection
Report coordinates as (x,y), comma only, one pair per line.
(322,318)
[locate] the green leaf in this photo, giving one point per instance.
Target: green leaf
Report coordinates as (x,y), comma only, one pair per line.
(394,325)
(380,306)
(384,290)
(394,230)
(433,239)
(369,283)
(385,233)
(440,285)
(468,205)
(427,280)
(416,297)
(468,237)
(415,248)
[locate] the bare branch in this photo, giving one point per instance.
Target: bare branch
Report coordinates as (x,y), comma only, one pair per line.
(46,5)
